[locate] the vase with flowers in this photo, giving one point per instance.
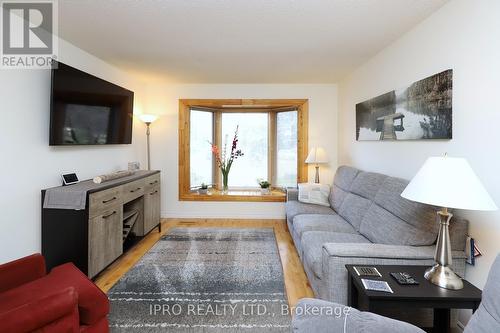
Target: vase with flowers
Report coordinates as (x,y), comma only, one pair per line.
(225,158)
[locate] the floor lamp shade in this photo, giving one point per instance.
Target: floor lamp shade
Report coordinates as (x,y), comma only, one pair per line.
(148,118)
(449,183)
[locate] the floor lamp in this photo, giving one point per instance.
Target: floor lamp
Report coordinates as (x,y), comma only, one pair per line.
(148,119)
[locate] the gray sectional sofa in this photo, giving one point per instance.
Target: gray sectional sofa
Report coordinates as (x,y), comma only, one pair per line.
(368,222)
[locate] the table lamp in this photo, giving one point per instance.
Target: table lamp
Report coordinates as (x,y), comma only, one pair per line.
(317,156)
(148,119)
(447,182)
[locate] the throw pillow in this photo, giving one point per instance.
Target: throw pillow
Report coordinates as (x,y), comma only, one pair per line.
(314,193)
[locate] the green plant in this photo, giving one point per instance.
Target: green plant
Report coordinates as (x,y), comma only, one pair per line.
(263,183)
(204,186)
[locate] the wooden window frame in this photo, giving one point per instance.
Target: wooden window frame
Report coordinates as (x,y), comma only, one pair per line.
(218,106)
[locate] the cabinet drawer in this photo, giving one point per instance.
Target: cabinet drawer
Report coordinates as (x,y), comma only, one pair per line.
(133,190)
(105,239)
(101,201)
(152,181)
(152,205)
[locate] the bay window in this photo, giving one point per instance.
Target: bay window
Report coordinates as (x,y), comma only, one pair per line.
(272,138)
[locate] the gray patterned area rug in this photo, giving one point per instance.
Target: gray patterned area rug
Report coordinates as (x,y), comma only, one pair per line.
(204,280)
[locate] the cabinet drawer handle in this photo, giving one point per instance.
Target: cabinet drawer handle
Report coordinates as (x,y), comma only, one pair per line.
(109,215)
(152,183)
(137,189)
(106,201)
(153,192)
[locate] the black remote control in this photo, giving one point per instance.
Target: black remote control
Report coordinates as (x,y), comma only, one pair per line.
(404,278)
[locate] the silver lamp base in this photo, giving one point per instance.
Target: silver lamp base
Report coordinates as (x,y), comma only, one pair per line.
(441,273)
(444,277)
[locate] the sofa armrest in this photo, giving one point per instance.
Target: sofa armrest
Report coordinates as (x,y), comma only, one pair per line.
(292,194)
(21,271)
(314,315)
(379,251)
(384,251)
(336,255)
(43,312)
(310,315)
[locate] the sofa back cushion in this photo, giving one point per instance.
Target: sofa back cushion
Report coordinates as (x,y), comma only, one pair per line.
(372,204)
(459,229)
(367,184)
(363,190)
(392,219)
(353,209)
(341,185)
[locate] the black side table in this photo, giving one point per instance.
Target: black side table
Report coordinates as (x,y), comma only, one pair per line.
(423,295)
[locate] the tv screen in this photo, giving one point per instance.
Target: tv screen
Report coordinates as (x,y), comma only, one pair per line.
(87,110)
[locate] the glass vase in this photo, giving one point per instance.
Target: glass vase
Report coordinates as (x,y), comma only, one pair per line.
(225,179)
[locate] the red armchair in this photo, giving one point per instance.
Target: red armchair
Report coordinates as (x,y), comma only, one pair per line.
(64,300)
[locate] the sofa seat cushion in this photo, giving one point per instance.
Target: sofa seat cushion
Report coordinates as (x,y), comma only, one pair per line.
(320,222)
(294,208)
(312,246)
(93,304)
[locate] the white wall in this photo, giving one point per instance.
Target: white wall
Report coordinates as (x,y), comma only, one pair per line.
(28,164)
(164,100)
(463,35)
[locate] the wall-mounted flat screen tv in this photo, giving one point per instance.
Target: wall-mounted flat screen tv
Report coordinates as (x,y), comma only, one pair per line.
(87,110)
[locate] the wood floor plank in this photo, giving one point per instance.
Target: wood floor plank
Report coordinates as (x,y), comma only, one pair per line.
(296,283)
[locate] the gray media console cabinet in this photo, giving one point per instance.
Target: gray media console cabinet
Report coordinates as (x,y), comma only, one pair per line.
(115,211)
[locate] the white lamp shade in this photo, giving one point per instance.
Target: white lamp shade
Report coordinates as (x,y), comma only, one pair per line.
(316,156)
(448,182)
(148,118)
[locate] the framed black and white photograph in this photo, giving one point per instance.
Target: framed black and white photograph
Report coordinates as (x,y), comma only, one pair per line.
(420,111)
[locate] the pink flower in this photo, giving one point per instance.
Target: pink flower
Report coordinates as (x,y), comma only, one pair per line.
(224,162)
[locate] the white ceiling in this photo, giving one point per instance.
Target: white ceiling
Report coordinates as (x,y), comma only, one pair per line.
(239,41)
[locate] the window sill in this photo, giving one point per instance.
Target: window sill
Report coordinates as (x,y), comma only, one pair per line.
(235,195)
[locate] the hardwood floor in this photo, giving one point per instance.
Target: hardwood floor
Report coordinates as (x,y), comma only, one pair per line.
(296,283)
